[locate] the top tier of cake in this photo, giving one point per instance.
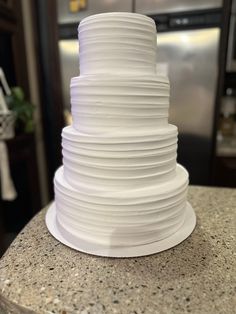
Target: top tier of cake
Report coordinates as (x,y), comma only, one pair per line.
(117,43)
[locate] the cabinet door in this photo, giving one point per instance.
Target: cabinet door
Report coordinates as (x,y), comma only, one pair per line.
(225,172)
(92,7)
(13,58)
(7,62)
(7,5)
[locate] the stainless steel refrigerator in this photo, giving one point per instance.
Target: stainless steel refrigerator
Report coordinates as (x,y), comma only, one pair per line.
(188,42)
(188,45)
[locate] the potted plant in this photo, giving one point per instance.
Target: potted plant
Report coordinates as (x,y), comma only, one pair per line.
(23,110)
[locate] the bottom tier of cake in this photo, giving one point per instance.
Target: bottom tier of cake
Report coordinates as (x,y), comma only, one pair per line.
(130,218)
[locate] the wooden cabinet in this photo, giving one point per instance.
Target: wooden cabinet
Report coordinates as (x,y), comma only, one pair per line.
(24,173)
(225,171)
(224,167)
(12,44)
(23,160)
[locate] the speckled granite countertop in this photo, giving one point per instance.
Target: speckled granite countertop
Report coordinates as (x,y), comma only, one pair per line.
(40,275)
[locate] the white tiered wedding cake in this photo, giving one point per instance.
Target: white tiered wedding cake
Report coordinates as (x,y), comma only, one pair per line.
(120,191)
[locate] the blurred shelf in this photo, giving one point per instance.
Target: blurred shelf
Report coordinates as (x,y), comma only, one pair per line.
(226,147)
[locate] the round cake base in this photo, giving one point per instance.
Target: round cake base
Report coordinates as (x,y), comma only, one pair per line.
(78,244)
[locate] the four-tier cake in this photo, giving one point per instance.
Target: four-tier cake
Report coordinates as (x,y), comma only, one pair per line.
(120,191)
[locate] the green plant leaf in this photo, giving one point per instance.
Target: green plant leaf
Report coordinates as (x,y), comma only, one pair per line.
(22,108)
(18,93)
(29,126)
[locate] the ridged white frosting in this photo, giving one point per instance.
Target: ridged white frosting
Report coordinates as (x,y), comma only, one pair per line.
(116,103)
(115,163)
(132,216)
(117,43)
(119,184)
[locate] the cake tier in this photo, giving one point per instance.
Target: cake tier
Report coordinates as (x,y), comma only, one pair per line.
(117,43)
(129,217)
(112,103)
(121,161)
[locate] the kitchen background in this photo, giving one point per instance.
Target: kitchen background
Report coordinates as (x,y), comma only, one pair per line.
(39,53)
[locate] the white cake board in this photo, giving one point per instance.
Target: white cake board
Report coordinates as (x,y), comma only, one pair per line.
(185,230)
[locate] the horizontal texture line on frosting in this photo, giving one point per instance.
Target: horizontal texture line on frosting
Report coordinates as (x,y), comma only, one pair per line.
(118,116)
(138,136)
(97,224)
(77,106)
(126,83)
(118,236)
(120,149)
(122,145)
(125,33)
(117,16)
(160,205)
(101,221)
(116,48)
(164,104)
(141,157)
(118,173)
(101,100)
(98,112)
(103,28)
(130,208)
(132,89)
(134,237)
(113,175)
(156,207)
(95,127)
(119,153)
(128,205)
(122,138)
(114,17)
(132,58)
(136,230)
(113,242)
(150,80)
(123,165)
(179,182)
(128,94)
